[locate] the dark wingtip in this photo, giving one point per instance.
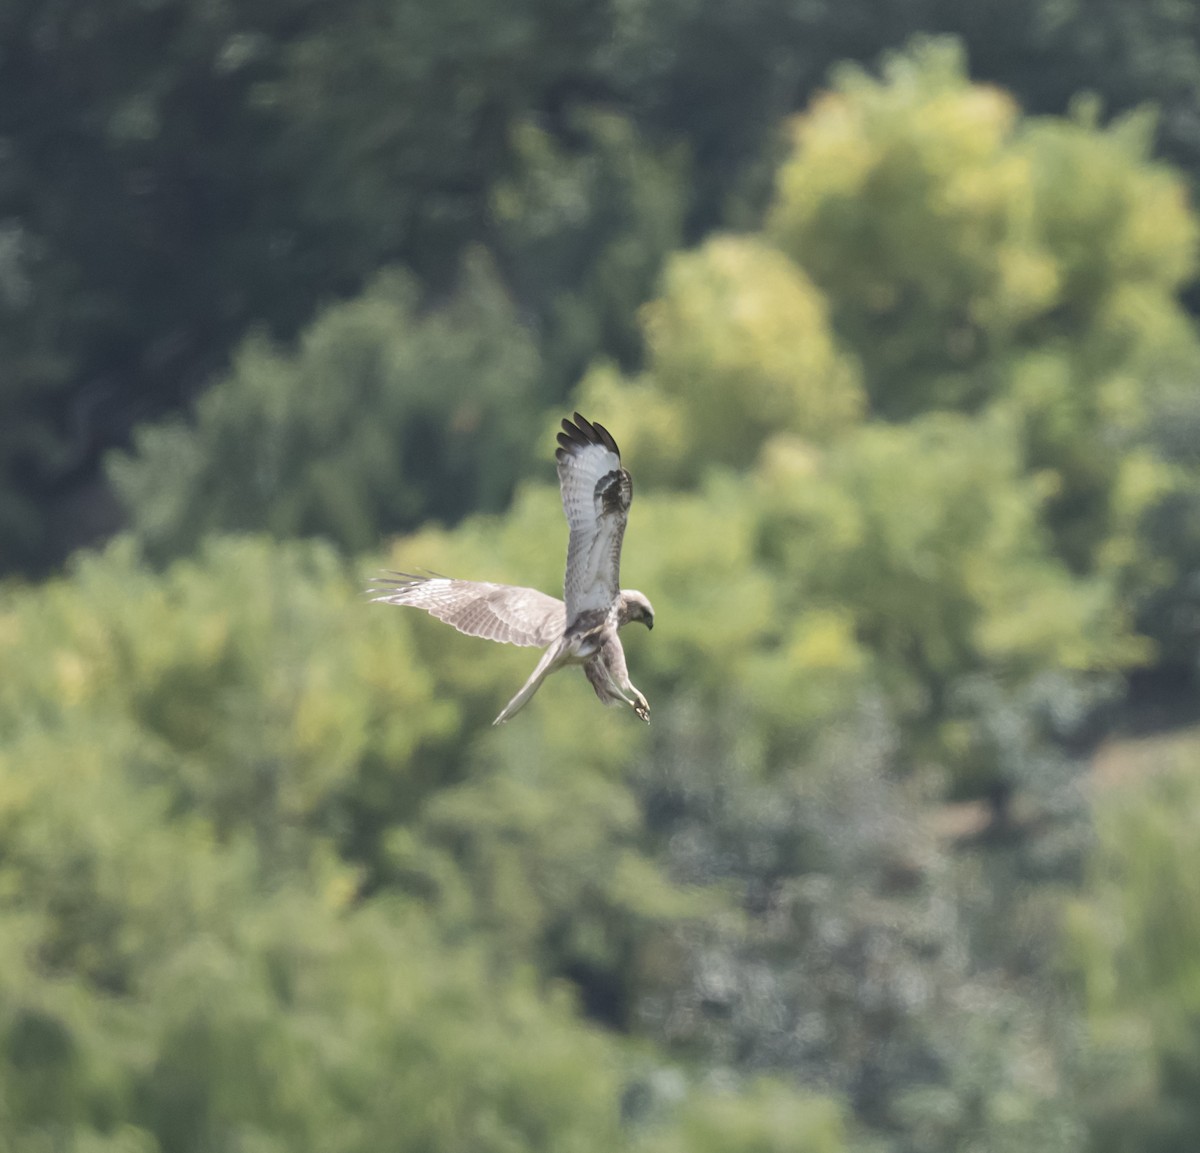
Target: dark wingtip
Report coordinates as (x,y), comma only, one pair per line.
(606,438)
(572,437)
(395,577)
(395,580)
(583,432)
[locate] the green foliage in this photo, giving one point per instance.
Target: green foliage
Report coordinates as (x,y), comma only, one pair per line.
(738,348)
(145,223)
(903,201)
(915,487)
(1013,520)
(941,579)
(214,673)
(1135,932)
(725,76)
(1168,611)
(248,897)
(582,229)
(384,416)
(229,166)
(767,1119)
(948,235)
(972,259)
(177,174)
(739,341)
(392,411)
(846,963)
(399,116)
(157,992)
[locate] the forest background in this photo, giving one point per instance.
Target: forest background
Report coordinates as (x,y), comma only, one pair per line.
(892,307)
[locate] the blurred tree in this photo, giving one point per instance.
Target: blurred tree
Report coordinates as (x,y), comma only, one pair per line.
(142,227)
(401,116)
(739,347)
(581,228)
(943,240)
(739,340)
(385,416)
(266,877)
(972,260)
(173,174)
(1169,608)
(215,667)
(1136,943)
(848,964)
(245,897)
(764,1118)
(156,994)
(177,173)
(797,912)
(723,77)
(950,236)
(947,574)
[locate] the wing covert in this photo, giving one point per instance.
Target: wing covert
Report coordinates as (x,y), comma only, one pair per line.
(505,613)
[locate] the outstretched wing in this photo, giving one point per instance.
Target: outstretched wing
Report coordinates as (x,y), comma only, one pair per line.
(596,493)
(505,613)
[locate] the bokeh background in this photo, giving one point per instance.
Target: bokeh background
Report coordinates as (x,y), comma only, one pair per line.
(891,306)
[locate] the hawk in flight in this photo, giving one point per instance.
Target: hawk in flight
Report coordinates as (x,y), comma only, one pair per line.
(596,494)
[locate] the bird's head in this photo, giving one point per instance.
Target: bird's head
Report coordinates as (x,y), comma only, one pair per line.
(636,607)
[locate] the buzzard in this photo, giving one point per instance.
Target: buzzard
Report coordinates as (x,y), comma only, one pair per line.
(596,494)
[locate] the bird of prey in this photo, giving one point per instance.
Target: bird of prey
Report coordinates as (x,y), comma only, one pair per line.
(596,494)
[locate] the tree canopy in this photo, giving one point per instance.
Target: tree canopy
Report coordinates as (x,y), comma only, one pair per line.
(906,380)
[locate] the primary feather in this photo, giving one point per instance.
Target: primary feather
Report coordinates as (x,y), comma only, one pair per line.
(596,494)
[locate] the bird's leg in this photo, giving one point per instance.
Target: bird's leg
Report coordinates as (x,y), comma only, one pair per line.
(626,689)
(640,705)
(609,677)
